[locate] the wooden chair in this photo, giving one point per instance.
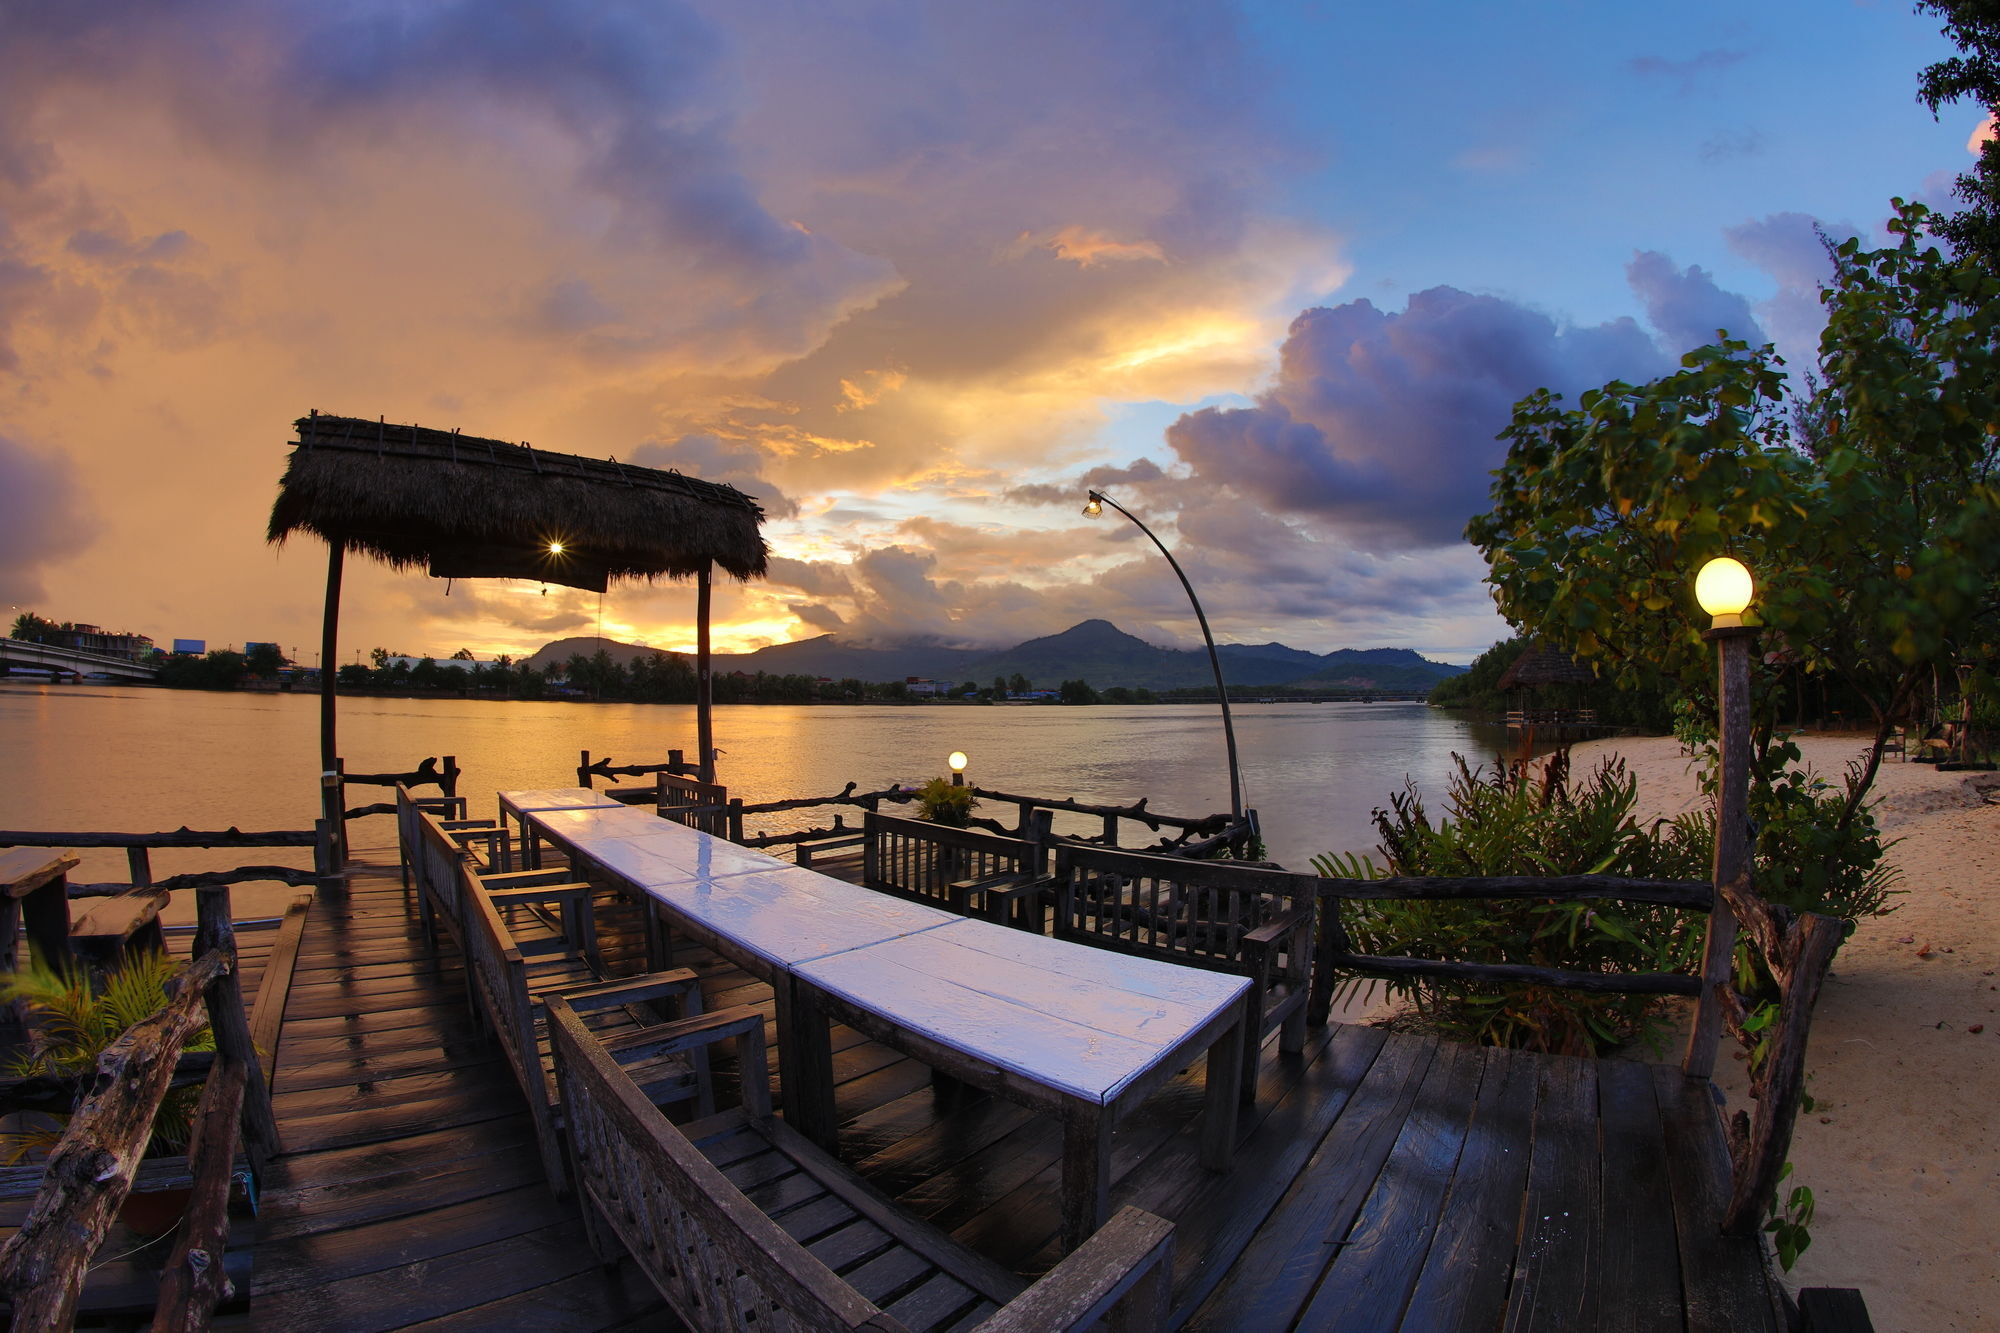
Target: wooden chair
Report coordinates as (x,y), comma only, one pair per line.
(512,972)
(1211,914)
(834,1254)
(967,871)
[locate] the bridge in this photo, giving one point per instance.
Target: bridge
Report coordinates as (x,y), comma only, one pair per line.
(69,661)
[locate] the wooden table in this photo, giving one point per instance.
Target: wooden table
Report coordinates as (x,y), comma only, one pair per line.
(1079,1033)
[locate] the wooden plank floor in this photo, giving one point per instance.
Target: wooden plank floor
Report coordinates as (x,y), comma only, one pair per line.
(1382,1180)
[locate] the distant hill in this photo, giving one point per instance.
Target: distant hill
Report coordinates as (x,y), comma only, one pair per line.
(1095,650)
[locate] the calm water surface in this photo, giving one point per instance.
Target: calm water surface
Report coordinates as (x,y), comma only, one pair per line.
(132,759)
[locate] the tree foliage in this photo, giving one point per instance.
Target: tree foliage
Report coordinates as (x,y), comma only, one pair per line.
(1865,502)
(1974,75)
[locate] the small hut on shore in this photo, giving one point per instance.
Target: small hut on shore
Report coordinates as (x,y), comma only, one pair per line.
(1547,696)
(462,507)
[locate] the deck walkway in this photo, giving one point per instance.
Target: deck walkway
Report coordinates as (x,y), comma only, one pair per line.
(1381,1181)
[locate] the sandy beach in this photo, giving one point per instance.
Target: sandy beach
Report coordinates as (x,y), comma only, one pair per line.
(1905,1053)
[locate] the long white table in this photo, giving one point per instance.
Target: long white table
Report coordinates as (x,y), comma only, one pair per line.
(1084,1034)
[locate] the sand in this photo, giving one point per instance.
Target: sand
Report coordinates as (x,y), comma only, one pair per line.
(1905,1054)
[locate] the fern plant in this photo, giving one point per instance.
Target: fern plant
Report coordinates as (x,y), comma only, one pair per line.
(75,1022)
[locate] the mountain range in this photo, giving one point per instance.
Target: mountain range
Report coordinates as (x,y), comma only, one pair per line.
(1095,650)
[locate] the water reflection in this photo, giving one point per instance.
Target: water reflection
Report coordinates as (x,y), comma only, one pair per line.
(136,759)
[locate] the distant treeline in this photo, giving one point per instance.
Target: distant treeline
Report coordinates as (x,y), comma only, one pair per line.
(660,677)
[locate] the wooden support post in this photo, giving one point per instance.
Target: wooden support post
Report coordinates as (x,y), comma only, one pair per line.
(45,920)
(704,673)
(1732,843)
(333,813)
(215,930)
(448,779)
(329,662)
(194,1281)
(140,861)
(583,781)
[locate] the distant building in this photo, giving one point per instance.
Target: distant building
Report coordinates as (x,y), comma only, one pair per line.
(918,685)
(91,639)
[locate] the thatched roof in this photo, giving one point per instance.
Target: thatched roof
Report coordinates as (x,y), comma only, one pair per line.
(464,507)
(1541,665)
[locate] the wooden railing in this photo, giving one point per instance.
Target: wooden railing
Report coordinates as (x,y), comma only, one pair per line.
(91,1169)
(1796,948)
(138,853)
(440,773)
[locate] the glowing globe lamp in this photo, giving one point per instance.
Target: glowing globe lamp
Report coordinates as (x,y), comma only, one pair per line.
(1724,590)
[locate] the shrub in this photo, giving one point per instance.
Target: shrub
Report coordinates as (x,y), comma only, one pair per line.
(944,802)
(1515,821)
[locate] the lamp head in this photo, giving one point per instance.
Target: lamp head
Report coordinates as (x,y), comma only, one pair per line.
(556,547)
(1724,589)
(957,761)
(1095,507)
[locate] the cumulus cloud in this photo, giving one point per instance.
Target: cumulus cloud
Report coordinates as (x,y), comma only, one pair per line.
(1792,249)
(1385,421)
(733,463)
(1686,306)
(42,520)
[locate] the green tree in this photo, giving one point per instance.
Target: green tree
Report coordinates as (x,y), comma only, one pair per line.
(462,655)
(1019,684)
(1078,692)
(1974,25)
(1865,504)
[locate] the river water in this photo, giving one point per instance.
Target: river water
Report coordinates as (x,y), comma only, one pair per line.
(136,759)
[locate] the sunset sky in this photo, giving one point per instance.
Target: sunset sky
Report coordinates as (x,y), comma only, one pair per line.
(914,274)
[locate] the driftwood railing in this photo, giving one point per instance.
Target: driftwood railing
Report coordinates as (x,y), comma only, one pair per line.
(1191,837)
(138,854)
(91,1169)
(587,772)
(440,773)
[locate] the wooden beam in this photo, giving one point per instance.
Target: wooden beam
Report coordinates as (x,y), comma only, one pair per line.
(267,1020)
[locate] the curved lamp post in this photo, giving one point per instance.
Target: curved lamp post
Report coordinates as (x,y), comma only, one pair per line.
(1096,506)
(1724,589)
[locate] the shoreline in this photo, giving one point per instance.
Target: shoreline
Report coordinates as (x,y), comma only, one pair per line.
(1904,1060)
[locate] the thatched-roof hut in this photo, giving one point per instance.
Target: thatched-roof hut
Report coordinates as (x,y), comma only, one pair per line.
(1542,665)
(465,507)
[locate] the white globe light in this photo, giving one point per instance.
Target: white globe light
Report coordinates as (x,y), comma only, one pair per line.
(957,761)
(1724,590)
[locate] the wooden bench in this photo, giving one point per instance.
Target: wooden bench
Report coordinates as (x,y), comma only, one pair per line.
(743,1224)
(510,973)
(967,871)
(111,928)
(1216,915)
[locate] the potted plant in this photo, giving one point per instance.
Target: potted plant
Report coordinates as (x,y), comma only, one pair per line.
(76,1017)
(944,802)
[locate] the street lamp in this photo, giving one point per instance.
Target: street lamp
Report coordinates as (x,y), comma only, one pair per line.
(1725,590)
(957,761)
(1096,507)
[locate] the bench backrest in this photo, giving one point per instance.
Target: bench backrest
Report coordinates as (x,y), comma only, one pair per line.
(915,858)
(1193,912)
(722,1263)
(436,860)
(498,973)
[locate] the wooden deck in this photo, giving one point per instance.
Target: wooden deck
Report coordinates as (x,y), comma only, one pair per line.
(1381,1180)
